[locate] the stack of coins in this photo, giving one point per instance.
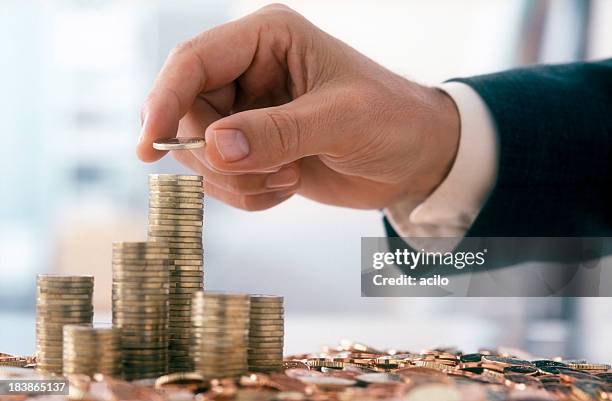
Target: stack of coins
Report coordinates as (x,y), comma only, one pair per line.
(89,350)
(140,306)
(220,333)
(266,333)
(60,300)
(176,211)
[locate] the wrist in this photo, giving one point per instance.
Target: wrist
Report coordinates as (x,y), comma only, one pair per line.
(441,128)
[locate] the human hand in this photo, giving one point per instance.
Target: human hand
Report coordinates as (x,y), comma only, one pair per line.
(285,108)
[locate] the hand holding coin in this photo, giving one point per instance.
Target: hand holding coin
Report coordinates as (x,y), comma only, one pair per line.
(289,109)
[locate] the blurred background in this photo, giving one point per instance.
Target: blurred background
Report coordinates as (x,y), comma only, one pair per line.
(73,75)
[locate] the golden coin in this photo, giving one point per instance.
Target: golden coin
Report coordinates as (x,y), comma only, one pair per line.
(266,299)
(174,192)
(64,278)
(192,224)
(175,177)
(159,186)
(176,218)
(157,228)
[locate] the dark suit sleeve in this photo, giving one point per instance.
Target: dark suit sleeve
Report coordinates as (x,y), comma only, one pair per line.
(554,126)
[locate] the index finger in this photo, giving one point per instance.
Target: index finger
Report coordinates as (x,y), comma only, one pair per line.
(204,63)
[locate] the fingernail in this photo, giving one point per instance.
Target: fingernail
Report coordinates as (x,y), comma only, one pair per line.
(143,122)
(284,178)
(143,118)
(231,144)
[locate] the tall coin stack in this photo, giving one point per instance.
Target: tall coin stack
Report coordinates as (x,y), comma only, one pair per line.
(140,306)
(89,350)
(266,333)
(220,333)
(60,300)
(176,211)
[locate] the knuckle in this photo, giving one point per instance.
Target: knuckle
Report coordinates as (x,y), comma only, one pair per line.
(179,157)
(283,129)
(182,48)
(276,17)
(278,8)
(250,203)
(237,184)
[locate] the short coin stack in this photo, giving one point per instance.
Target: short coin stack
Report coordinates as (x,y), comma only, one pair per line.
(220,331)
(89,350)
(176,211)
(60,300)
(266,333)
(140,306)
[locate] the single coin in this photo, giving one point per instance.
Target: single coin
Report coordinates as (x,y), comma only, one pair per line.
(175,193)
(144,354)
(157,335)
(67,299)
(187,268)
(63,304)
(154,275)
(176,199)
(177,235)
(178,274)
(376,378)
(266,345)
(176,218)
(221,360)
(140,308)
(266,327)
(262,362)
(183,247)
(143,246)
(175,177)
(57,320)
(132,322)
(62,315)
(165,186)
(126,297)
(64,278)
(164,210)
(265,354)
(140,279)
(55,291)
(175,223)
(174,227)
(254,322)
(175,240)
(220,311)
(217,295)
(151,258)
(263,298)
(128,256)
(505,361)
(186,283)
(143,288)
(259,308)
(176,205)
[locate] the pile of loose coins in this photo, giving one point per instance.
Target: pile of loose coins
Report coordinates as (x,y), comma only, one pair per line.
(141,285)
(266,333)
(220,334)
(89,350)
(60,300)
(176,212)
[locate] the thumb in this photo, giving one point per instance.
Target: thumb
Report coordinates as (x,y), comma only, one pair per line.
(266,139)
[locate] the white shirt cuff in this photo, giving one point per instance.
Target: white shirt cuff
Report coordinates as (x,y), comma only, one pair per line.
(452,208)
